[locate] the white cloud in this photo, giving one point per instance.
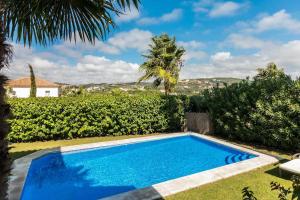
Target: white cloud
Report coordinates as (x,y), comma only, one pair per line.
(277,21)
(42,63)
(134,39)
(286,55)
(128,15)
(280,20)
(219,9)
(193,44)
(194,55)
(225,64)
(68,49)
(221,56)
(244,41)
(172,16)
(202,5)
(78,63)
(175,15)
(88,69)
(98,69)
(106,48)
(228,8)
(193,50)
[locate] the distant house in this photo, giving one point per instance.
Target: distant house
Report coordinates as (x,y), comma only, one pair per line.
(21,88)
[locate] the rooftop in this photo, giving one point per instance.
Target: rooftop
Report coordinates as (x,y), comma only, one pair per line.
(25,83)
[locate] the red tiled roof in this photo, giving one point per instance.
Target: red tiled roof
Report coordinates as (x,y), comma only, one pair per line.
(25,83)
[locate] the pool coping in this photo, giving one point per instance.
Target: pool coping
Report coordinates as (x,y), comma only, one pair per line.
(21,166)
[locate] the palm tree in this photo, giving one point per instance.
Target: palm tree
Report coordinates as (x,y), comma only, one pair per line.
(32,82)
(5,58)
(45,21)
(164,62)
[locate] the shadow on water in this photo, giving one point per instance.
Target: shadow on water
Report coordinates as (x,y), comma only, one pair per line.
(6,168)
(51,178)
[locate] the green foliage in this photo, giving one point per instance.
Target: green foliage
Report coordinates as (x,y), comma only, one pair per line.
(265,110)
(42,119)
(164,62)
(32,82)
(44,22)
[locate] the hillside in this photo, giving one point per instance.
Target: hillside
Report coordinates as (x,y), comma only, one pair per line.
(185,86)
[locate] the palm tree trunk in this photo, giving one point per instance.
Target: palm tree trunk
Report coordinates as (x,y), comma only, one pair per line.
(167,87)
(5,58)
(4,128)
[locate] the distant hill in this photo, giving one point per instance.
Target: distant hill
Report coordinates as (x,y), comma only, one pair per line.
(194,86)
(185,86)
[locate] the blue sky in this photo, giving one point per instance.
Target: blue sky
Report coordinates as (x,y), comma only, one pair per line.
(222,39)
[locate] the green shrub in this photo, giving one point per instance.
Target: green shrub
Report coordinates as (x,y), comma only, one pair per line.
(265,110)
(39,119)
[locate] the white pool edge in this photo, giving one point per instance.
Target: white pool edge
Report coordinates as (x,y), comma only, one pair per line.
(21,166)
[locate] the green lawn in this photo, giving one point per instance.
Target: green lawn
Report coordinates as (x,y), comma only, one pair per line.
(231,188)
(227,189)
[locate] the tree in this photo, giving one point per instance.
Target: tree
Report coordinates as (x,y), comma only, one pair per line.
(265,110)
(270,72)
(164,62)
(32,82)
(44,22)
(5,58)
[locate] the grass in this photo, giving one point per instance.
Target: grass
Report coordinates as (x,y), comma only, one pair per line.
(229,189)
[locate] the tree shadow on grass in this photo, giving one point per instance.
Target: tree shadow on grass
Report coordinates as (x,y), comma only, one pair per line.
(276,172)
(19,154)
(286,176)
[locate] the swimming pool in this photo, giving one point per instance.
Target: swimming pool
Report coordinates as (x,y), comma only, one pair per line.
(106,171)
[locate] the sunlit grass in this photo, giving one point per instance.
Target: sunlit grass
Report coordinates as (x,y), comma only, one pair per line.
(231,188)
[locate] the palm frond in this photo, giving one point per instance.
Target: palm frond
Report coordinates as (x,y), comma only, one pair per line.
(6,51)
(145,77)
(44,21)
(163,62)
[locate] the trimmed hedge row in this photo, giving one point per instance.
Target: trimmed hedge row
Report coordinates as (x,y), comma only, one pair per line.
(265,110)
(41,119)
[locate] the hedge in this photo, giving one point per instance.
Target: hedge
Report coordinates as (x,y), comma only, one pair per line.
(265,110)
(41,119)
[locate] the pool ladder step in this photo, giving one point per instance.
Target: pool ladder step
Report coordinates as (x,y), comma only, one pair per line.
(236,158)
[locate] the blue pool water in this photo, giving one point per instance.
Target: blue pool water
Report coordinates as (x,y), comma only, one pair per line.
(102,172)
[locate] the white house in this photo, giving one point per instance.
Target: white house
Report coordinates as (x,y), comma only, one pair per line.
(21,88)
